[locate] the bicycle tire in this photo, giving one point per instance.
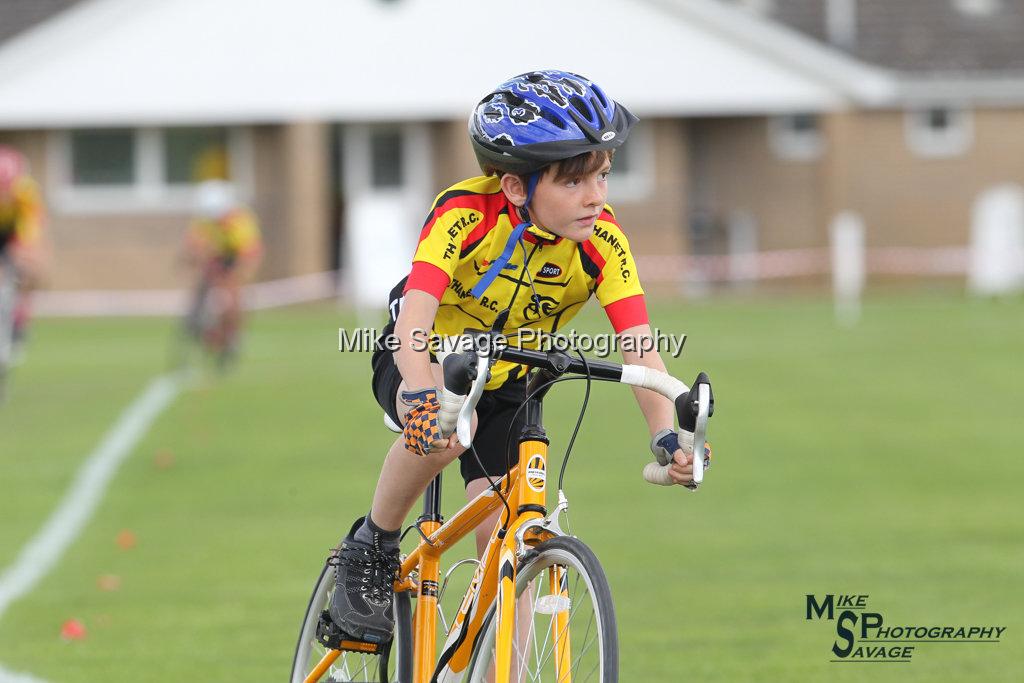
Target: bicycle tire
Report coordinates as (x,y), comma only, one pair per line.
(577,558)
(188,343)
(394,666)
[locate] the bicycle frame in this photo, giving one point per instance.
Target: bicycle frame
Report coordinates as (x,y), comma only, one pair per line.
(524,489)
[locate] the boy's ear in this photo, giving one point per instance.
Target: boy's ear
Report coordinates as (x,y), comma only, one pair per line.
(514,189)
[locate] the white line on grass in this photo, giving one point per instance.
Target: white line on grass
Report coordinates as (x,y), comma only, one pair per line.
(41,553)
(7,676)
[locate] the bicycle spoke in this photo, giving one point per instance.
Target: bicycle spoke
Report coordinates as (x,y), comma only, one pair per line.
(537,642)
(566,648)
(587,644)
(351,666)
(545,654)
(347,670)
(566,629)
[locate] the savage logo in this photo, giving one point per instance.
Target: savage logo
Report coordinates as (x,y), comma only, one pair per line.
(550,270)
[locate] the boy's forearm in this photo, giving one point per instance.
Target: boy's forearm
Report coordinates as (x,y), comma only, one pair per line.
(415,320)
(414,366)
(658,411)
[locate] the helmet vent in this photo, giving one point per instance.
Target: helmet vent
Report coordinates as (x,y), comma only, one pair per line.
(551,118)
(513,99)
(582,107)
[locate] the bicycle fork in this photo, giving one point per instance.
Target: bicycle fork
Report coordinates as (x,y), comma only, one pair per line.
(533,455)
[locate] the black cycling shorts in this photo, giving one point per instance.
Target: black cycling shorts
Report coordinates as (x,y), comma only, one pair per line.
(497,452)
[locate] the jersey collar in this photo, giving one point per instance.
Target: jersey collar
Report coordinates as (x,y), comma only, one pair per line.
(537,235)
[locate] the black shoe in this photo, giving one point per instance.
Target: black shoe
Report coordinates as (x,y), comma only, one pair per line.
(362,602)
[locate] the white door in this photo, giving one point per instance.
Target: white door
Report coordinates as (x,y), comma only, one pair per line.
(386,186)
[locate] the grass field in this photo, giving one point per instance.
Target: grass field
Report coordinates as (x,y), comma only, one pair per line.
(881,460)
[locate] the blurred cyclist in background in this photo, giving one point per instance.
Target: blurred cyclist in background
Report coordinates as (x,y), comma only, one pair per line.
(22,252)
(223,243)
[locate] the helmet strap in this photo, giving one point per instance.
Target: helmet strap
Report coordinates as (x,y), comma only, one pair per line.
(493,270)
(531,187)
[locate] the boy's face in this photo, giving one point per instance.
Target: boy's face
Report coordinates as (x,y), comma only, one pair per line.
(569,207)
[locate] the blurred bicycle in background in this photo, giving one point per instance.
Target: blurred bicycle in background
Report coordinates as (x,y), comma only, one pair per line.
(224,246)
(8,293)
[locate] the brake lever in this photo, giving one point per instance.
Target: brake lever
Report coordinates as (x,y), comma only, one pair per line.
(700,430)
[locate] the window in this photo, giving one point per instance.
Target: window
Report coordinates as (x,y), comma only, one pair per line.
(757,6)
(978,8)
(103,157)
(939,131)
(192,155)
(143,169)
(796,137)
(386,158)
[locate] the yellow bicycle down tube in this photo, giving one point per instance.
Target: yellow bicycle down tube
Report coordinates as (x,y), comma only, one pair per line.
(465,629)
(422,565)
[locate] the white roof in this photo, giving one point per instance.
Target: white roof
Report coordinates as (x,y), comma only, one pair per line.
(136,62)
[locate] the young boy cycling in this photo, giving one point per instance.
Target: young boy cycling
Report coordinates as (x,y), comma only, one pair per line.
(532,235)
(223,243)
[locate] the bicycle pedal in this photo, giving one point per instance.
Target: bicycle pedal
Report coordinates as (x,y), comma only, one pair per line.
(332,637)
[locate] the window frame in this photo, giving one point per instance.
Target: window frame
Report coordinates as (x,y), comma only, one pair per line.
(978,9)
(150,192)
(789,144)
(924,141)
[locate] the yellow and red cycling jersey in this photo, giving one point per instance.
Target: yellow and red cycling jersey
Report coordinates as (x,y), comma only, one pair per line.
(234,237)
(21,214)
(468,228)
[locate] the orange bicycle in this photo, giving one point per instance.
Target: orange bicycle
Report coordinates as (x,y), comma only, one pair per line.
(538,607)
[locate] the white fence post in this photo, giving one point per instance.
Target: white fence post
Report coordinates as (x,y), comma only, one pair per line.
(848,267)
(997,242)
(742,235)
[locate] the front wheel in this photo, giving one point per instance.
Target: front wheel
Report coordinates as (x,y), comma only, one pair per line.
(565,620)
(394,665)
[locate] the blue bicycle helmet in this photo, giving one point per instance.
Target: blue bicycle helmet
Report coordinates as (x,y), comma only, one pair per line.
(541,117)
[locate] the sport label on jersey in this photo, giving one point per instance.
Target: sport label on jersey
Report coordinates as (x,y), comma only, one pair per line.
(550,270)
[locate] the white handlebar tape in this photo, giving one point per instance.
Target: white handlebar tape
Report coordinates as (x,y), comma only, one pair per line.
(451,404)
(655,380)
(657,474)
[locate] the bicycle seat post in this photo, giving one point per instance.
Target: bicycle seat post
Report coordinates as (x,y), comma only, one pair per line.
(432,502)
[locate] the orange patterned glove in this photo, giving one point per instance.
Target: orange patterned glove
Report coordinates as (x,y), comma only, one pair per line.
(422,431)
